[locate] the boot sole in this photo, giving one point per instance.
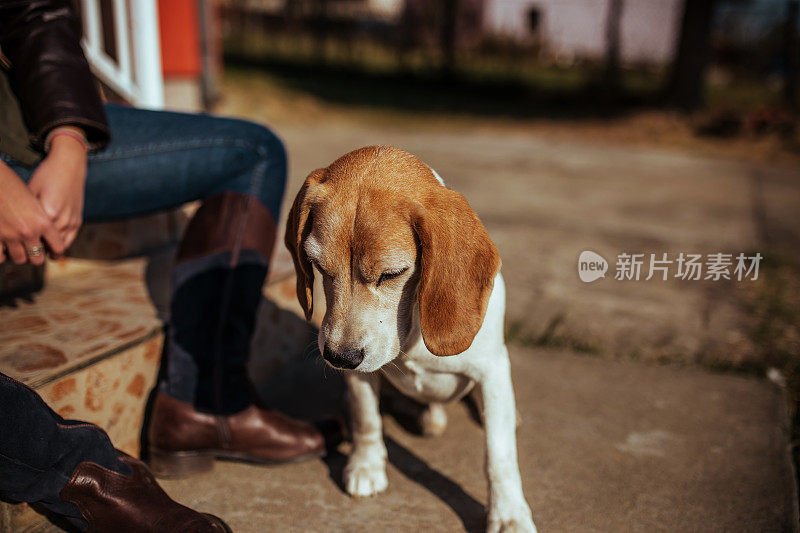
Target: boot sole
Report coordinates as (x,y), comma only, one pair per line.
(183,464)
(219,521)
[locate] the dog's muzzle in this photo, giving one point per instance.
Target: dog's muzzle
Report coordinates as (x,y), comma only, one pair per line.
(346,359)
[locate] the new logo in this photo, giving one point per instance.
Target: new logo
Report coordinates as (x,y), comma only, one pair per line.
(591,266)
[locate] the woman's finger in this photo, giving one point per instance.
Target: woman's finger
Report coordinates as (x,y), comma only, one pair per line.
(69,237)
(67,226)
(54,240)
(35,251)
(17,252)
(62,222)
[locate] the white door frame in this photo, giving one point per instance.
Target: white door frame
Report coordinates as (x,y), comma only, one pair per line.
(136,74)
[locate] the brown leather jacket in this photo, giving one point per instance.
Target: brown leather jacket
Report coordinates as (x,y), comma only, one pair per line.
(48,75)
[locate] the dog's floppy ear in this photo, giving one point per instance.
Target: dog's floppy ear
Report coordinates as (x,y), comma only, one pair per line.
(459,263)
(298,227)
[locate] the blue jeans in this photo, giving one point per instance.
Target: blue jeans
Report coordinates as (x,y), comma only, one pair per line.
(157,161)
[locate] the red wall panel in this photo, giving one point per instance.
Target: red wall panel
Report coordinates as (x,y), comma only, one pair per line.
(180,38)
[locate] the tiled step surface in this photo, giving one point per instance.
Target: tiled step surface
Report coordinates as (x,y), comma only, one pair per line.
(89,344)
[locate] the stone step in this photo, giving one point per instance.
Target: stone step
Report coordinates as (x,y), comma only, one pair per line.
(90,345)
(90,342)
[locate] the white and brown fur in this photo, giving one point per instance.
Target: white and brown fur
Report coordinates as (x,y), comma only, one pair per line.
(413,291)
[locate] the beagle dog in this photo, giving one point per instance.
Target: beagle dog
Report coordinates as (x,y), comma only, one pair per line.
(413,291)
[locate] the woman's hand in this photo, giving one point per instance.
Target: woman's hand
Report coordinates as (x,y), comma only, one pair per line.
(23,221)
(58,182)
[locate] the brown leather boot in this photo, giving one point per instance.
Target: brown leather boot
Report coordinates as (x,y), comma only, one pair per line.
(132,504)
(184,441)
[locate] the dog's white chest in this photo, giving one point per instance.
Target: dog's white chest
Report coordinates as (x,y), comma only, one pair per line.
(425,385)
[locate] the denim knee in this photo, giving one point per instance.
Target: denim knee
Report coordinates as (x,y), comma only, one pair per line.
(272,163)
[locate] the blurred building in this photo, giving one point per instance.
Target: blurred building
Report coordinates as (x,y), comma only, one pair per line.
(561,29)
(191,52)
(570,29)
(154,53)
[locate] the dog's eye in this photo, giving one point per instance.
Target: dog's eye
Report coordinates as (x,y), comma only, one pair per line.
(391,275)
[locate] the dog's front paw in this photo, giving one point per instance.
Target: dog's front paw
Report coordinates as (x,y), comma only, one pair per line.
(519,521)
(365,478)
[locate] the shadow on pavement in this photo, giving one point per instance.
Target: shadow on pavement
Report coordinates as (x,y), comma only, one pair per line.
(469,510)
(303,386)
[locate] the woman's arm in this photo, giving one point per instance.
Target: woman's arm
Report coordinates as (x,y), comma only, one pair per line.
(62,109)
(23,222)
(58,182)
(49,73)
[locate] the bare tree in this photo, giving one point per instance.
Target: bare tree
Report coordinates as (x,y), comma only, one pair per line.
(792,52)
(448,36)
(611,76)
(686,83)
(321,26)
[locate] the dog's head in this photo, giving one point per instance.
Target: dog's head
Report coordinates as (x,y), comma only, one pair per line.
(384,234)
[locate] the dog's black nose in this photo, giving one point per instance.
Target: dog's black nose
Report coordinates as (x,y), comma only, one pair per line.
(346,359)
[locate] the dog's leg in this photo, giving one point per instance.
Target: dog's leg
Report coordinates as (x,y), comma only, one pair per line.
(433,420)
(508,510)
(365,473)
(476,395)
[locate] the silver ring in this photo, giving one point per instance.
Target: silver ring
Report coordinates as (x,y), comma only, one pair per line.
(36,251)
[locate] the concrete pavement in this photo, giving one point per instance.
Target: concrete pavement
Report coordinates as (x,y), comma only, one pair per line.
(604,446)
(610,441)
(544,202)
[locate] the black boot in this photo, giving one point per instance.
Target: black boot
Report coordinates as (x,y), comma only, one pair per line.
(220,271)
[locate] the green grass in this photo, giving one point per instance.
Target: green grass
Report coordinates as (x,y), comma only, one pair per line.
(373,75)
(549,337)
(774,309)
(742,94)
(506,82)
